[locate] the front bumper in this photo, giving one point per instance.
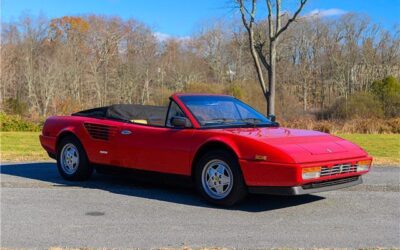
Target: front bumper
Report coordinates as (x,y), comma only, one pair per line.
(269,174)
(309,188)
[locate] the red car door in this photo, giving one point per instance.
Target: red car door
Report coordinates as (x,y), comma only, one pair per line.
(156,148)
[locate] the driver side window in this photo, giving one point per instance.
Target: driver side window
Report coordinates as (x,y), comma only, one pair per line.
(174,110)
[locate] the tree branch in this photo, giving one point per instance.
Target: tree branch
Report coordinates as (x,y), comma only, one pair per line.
(278,16)
(270,24)
(250,30)
(243,11)
(259,49)
(292,19)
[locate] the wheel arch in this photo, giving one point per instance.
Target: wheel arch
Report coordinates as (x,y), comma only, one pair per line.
(64,133)
(213,145)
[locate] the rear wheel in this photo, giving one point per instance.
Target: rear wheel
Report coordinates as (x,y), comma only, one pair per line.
(72,162)
(219,179)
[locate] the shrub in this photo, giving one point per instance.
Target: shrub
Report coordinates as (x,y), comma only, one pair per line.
(366,126)
(362,126)
(16,123)
(15,106)
(387,91)
(310,124)
(358,105)
(288,107)
(65,106)
(394,125)
(235,90)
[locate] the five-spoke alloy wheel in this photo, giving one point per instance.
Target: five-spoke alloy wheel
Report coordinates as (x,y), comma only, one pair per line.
(72,162)
(219,179)
(69,159)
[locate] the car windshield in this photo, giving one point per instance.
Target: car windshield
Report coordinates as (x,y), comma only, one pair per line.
(211,111)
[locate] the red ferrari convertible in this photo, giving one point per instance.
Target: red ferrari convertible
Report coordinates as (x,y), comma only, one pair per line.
(224,146)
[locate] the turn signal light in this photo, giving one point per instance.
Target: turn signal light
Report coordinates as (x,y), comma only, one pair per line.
(363,165)
(260,157)
(311,173)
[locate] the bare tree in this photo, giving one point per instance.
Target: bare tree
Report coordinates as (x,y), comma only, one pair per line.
(257,45)
(62,65)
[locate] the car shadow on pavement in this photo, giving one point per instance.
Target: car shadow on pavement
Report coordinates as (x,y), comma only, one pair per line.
(47,174)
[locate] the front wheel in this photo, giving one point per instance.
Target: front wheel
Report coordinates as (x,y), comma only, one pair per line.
(219,179)
(72,162)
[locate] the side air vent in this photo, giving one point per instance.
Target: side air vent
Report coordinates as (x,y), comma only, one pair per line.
(100,132)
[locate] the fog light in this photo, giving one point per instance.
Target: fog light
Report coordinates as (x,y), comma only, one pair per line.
(363,165)
(311,173)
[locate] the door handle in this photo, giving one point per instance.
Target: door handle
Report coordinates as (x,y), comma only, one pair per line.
(126,132)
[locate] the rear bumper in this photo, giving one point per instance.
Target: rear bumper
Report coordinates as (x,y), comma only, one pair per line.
(49,144)
(314,187)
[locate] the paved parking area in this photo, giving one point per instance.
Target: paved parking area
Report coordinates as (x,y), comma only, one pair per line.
(39,209)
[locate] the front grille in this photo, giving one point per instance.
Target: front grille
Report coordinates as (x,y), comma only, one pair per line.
(338,169)
(330,182)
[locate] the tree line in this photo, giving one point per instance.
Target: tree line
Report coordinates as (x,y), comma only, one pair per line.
(65,64)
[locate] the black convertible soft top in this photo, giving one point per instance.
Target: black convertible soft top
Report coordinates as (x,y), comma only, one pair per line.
(128,112)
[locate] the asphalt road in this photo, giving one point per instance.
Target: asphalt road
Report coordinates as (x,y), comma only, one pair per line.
(39,209)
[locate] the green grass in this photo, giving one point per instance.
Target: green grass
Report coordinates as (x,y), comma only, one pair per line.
(21,146)
(25,146)
(385,148)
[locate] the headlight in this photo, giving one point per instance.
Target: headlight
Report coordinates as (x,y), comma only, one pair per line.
(311,173)
(363,165)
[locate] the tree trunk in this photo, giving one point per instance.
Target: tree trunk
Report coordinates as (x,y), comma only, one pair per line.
(271,79)
(305,93)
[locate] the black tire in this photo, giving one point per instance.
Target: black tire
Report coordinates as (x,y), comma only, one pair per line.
(83,169)
(238,190)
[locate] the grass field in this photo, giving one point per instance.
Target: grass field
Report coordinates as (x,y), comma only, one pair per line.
(385,148)
(21,146)
(25,146)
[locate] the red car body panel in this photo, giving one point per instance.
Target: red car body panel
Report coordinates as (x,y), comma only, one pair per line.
(171,150)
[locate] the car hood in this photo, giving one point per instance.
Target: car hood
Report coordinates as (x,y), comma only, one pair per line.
(302,146)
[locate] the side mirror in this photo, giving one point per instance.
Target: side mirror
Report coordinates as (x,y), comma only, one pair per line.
(180,122)
(272,118)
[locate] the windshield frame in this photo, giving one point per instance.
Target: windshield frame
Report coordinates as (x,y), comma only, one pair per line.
(185,98)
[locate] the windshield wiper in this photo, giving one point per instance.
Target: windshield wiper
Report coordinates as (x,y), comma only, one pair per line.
(256,121)
(247,121)
(251,121)
(219,121)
